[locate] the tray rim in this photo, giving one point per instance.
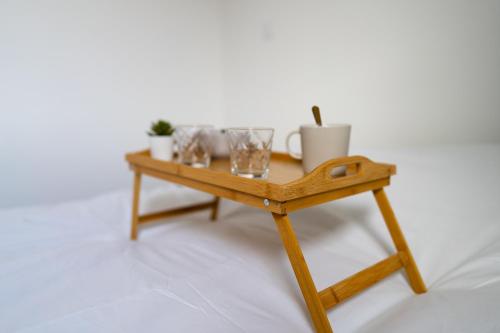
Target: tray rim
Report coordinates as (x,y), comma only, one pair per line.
(315,182)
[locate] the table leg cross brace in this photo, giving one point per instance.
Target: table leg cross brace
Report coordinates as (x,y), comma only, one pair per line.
(146,218)
(350,286)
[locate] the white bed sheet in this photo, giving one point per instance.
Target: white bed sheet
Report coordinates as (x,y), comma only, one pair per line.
(72,268)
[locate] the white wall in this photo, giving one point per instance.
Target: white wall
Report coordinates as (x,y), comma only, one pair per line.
(80,82)
(402,72)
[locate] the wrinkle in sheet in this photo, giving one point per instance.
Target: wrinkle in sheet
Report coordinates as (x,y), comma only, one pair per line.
(215,308)
(151,268)
(439,283)
(175,297)
(82,310)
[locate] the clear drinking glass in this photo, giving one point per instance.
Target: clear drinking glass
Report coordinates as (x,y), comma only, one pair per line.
(250,151)
(194,146)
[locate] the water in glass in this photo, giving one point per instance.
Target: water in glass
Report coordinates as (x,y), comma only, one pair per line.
(193,145)
(250,151)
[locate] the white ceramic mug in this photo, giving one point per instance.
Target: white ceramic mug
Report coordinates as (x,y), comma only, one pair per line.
(320,144)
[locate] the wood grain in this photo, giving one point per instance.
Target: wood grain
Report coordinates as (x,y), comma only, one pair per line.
(317,199)
(174,212)
(287,190)
(306,283)
(416,281)
(286,179)
(352,285)
(135,205)
(215,209)
(219,191)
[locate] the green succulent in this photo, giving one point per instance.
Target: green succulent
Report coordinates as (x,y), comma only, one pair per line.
(161,128)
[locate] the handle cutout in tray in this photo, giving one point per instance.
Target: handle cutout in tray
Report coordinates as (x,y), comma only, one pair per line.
(346,169)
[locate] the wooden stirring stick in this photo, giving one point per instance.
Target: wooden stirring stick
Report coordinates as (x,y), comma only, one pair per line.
(317,115)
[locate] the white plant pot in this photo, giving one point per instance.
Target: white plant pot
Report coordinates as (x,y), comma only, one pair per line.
(161,147)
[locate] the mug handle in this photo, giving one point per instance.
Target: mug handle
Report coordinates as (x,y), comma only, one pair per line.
(297,156)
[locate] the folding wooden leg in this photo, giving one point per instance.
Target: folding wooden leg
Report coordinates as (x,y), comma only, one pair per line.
(318,303)
(215,209)
(411,268)
(306,283)
(135,205)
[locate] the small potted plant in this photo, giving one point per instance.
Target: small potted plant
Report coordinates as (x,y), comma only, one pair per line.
(160,140)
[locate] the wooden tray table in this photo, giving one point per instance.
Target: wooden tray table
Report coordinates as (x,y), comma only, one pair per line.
(287,189)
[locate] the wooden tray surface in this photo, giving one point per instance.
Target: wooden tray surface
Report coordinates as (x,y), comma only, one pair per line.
(286,179)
